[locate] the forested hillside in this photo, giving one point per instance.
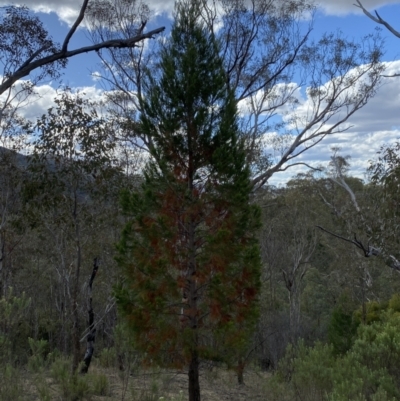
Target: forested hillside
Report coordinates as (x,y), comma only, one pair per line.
(144,254)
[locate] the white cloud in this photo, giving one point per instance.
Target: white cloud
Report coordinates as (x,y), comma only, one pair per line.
(40,103)
(96,76)
(375,125)
(343,7)
(67,10)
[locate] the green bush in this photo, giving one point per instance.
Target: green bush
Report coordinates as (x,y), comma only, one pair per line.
(73,386)
(39,350)
(313,372)
(100,384)
(342,330)
(10,383)
(108,358)
(14,328)
(368,371)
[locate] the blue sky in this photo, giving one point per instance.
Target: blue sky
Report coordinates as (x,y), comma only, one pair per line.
(375,125)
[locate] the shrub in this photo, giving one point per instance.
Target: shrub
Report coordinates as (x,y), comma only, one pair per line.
(73,386)
(108,358)
(100,384)
(39,350)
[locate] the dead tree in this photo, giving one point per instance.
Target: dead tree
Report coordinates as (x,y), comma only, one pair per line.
(90,339)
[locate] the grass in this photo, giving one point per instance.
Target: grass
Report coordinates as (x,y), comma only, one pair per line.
(54,383)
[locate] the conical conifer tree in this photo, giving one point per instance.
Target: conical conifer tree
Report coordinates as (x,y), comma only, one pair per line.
(189,250)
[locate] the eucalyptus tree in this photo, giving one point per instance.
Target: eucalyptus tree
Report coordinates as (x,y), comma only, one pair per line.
(13,132)
(26,47)
(378,19)
(266,48)
(73,177)
(367,213)
(288,243)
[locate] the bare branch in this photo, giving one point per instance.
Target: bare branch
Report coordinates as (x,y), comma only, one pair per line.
(368,250)
(378,19)
(75,26)
(34,55)
(341,181)
(356,243)
(391,76)
(25,70)
(299,164)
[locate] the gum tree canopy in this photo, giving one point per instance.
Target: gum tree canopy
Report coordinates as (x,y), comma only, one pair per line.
(26,46)
(189,249)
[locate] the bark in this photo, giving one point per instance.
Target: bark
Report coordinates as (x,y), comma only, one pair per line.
(294,312)
(240,371)
(194,384)
(378,19)
(75,313)
(2,263)
(92,330)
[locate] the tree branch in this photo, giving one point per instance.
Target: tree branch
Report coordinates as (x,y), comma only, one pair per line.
(75,26)
(27,68)
(341,181)
(378,19)
(34,55)
(298,164)
(368,251)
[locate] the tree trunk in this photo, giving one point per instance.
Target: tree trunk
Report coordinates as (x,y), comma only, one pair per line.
(92,330)
(194,383)
(294,314)
(76,346)
(240,371)
(2,263)
(75,312)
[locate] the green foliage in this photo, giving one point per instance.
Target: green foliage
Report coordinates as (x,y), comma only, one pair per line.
(369,370)
(374,311)
(371,312)
(124,350)
(100,384)
(11,383)
(73,386)
(341,330)
(189,251)
(394,303)
(39,350)
(73,153)
(14,328)
(307,370)
(108,357)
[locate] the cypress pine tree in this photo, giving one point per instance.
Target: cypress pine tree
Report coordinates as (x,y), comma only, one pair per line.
(189,250)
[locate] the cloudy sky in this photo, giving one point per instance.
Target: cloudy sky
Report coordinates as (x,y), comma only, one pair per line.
(375,125)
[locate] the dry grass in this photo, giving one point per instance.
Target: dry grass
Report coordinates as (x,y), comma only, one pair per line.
(148,385)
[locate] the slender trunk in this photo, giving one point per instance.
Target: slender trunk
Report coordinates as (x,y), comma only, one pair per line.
(75,333)
(240,371)
(294,312)
(75,313)
(92,330)
(2,263)
(194,383)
